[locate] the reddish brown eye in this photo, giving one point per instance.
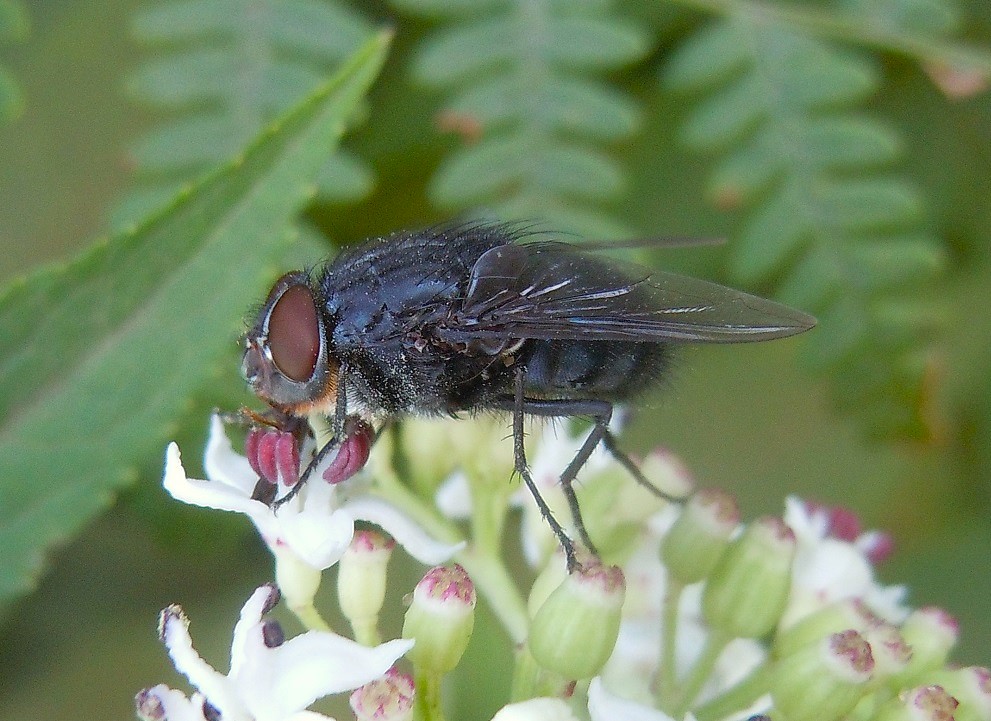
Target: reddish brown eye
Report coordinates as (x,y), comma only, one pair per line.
(294,334)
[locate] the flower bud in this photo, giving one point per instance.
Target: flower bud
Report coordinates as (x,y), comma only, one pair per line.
(891,653)
(361,578)
(574,631)
(924,703)
(700,535)
(389,698)
(549,578)
(824,681)
(836,617)
(971,686)
(746,592)
(932,633)
(440,619)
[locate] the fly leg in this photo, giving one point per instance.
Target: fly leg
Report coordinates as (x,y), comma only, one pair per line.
(337,433)
(600,411)
(609,441)
(520,405)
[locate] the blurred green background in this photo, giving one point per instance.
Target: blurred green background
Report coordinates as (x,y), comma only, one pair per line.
(752,419)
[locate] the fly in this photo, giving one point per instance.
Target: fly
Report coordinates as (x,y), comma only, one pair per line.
(486,317)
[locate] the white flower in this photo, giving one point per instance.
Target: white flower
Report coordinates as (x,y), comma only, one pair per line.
(316,525)
(271,679)
(161,703)
(536,709)
(829,569)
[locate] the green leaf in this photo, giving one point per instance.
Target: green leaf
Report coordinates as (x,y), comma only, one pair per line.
(455,54)
(589,42)
(707,58)
(100,355)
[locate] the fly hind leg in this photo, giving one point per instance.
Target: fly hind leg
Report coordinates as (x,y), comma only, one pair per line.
(601,413)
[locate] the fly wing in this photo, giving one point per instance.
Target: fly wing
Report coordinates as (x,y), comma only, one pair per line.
(554,291)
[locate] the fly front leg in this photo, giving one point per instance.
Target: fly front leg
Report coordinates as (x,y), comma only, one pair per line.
(333,444)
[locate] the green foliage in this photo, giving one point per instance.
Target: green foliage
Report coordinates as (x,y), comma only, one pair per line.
(100,355)
(520,83)
(229,68)
(14,24)
(824,212)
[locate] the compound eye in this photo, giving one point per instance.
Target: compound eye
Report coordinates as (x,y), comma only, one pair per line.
(294,334)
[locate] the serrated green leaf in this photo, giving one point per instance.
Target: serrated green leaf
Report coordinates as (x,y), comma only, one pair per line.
(455,54)
(707,58)
(98,355)
(815,280)
(140,203)
(588,42)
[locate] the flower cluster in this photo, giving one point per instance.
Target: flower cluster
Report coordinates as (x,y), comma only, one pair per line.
(685,613)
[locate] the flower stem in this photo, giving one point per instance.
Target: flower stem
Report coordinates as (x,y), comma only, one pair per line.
(310,617)
(485,567)
(667,678)
(739,697)
(427,702)
(702,670)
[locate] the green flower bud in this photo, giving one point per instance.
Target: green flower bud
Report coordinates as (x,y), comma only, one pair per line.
(361,578)
(574,631)
(971,686)
(824,681)
(552,575)
(836,617)
(891,653)
(700,535)
(440,619)
(747,591)
(932,633)
(924,703)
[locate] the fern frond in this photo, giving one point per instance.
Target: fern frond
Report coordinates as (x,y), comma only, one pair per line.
(230,67)
(525,77)
(824,214)
(14,24)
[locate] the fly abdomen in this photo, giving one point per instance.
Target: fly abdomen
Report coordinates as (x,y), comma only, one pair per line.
(612,370)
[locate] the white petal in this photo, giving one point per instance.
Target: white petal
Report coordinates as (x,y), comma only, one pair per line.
(308,716)
(319,538)
(407,533)
(318,664)
(222,464)
(603,706)
(207,494)
(536,709)
(174,704)
(211,683)
(251,615)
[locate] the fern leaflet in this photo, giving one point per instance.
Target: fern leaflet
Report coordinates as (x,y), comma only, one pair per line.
(823,212)
(233,65)
(520,78)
